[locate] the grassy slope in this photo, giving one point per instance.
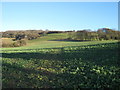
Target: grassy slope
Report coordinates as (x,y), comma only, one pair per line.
(48,42)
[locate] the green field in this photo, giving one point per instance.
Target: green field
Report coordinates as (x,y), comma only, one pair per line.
(49,41)
(48,63)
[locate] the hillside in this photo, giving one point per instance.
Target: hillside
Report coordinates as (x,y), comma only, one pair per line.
(52,41)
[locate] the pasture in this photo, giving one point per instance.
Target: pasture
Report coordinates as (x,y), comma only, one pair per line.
(47,63)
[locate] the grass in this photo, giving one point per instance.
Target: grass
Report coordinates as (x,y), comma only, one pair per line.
(49,42)
(56,64)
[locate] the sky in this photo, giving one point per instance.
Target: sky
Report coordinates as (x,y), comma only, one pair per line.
(59,15)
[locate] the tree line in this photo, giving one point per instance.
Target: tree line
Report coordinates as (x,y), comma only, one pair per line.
(20,37)
(100,34)
(28,34)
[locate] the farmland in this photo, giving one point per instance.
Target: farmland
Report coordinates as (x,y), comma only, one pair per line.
(48,63)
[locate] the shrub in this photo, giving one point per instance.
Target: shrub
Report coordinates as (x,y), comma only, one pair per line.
(6,44)
(19,43)
(15,44)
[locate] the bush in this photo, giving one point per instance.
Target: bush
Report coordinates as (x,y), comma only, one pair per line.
(7,44)
(19,43)
(15,44)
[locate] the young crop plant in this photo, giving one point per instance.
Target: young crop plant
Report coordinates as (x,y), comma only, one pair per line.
(94,65)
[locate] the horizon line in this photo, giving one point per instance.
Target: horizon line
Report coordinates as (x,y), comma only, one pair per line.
(54,29)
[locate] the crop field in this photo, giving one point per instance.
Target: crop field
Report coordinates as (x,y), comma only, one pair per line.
(59,64)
